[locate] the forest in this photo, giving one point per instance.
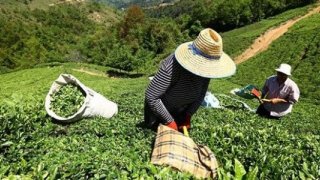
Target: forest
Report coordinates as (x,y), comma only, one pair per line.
(134,40)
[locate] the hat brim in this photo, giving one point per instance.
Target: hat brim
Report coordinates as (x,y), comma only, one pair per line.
(203,66)
(286,73)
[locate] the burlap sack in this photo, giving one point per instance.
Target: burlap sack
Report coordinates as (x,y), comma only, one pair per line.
(94,104)
(176,150)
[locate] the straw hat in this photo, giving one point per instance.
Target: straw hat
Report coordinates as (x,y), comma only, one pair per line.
(204,56)
(285,69)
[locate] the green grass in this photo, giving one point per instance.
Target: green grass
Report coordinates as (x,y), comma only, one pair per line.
(238,40)
(33,146)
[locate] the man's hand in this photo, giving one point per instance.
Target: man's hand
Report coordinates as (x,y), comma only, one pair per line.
(266,100)
(278,100)
(256,93)
(274,100)
(172,125)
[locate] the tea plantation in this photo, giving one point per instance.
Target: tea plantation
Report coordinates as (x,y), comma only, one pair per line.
(300,48)
(33,146)
(238,40)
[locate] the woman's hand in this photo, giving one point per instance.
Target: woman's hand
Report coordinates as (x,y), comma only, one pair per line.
(186,122)
(172,125)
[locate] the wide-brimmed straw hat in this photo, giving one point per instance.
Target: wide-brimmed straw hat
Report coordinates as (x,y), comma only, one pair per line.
(285,69)
(205,57)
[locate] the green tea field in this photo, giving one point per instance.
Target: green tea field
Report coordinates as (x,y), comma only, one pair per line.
(33,146)
(114,51)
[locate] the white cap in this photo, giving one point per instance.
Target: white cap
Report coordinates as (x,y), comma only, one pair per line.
(285,69)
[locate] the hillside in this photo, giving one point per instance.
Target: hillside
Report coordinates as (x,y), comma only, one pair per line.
(96,12)
(130,40)
(32,145)
(36,4)
(59,33)
(142,3)
(238,40)
(262,43)
(224,15)
(298,47)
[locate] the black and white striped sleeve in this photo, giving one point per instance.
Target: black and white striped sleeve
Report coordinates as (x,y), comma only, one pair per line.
(156,89)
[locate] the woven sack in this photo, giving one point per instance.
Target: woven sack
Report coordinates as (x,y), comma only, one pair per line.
(176,150)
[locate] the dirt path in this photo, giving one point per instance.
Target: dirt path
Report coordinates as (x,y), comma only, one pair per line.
(90,72)
(263,42)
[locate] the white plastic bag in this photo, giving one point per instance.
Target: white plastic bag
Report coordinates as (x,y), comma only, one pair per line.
(210,101)
(94,104)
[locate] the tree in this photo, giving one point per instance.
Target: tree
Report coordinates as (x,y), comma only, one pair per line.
(132,19)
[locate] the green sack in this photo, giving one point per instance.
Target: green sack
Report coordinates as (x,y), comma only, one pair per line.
(246,92)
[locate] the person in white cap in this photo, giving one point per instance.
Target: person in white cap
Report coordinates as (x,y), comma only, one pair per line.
(280,93)
(177,90)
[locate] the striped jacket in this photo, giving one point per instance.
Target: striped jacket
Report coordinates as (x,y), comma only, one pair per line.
(175,89)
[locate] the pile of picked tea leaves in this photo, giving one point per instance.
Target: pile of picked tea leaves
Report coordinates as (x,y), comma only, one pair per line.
(67,101)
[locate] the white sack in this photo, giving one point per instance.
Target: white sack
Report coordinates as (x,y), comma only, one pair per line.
(94,104)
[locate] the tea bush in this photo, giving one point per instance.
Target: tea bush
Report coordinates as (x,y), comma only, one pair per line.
(67,100)
(246,145)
